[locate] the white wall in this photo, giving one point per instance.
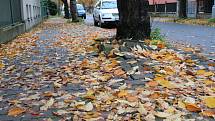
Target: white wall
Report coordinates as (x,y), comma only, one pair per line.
(31,10)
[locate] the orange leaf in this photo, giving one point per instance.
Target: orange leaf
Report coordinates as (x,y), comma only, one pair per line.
(16,111)
(193,107)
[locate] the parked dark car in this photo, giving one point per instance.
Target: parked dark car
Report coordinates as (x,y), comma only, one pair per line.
(81,11)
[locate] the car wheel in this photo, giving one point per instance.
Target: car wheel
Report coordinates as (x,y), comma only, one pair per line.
(95,22)
(100,23)
(84,17)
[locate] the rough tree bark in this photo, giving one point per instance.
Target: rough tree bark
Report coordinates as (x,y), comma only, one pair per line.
(73,10)
(66,9)
(134,20)
(182,8)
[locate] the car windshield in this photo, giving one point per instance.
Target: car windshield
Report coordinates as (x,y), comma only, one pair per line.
(109,4)
(80,7)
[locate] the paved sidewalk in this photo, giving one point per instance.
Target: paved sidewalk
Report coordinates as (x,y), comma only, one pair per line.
(58,72)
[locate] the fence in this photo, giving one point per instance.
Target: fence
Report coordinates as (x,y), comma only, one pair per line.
(10,12)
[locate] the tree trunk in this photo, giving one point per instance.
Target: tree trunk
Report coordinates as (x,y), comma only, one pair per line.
(73,10)
(134,20)
(66,9)
(183,9)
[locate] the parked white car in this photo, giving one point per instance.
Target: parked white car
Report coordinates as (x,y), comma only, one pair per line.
(105,11)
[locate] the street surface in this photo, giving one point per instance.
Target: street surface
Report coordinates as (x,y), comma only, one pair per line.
(194,35)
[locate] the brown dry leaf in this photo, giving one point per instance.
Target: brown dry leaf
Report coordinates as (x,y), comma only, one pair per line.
(85,63)
(119,72)
(152,83)
(209,101)
(132,98)
(192,107)
(155,95)
(16,111)
(48,94)
(161,45)
(208,113)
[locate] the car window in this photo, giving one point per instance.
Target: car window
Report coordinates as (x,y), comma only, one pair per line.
(80,7)
(109,4)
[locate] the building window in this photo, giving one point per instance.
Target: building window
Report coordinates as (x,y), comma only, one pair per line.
(30,12)
(201,6)
(27,10)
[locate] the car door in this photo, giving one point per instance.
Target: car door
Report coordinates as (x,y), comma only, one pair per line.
(97,11)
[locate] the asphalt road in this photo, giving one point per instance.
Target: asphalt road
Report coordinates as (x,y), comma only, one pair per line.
(195,35)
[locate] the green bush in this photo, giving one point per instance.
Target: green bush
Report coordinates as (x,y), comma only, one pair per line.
(212,20)
(52,6)
(156,35)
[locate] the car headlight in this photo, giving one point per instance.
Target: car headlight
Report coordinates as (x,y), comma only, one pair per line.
(106,15)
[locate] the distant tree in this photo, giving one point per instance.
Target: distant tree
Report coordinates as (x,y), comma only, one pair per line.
(134,19)
(88,3)
(66,9)
(73,10)
(182,8)
(52,7)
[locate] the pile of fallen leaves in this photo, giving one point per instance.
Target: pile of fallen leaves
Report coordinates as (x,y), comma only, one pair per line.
(180,86)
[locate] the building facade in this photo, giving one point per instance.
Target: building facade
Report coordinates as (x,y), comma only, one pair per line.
(195,8)
(18,16)
(31,10)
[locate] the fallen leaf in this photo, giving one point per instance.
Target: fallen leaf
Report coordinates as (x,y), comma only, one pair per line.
(164,83)
(209,101)
(208,113)
(88,107)
(122,93)
(16,111)
(162,114)
(192,107)
(1,65)
(119,72)
(48,104)
(152,83)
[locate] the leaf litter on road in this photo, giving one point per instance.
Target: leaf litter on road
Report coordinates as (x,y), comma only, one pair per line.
(62,73)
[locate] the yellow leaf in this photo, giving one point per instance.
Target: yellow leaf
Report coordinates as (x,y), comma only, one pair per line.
(122,93)
(16,111)
(164,83)
(204,73)
(200,72)
(209,101)
(1,65)
(181,104)
(208,82)
(208,74)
